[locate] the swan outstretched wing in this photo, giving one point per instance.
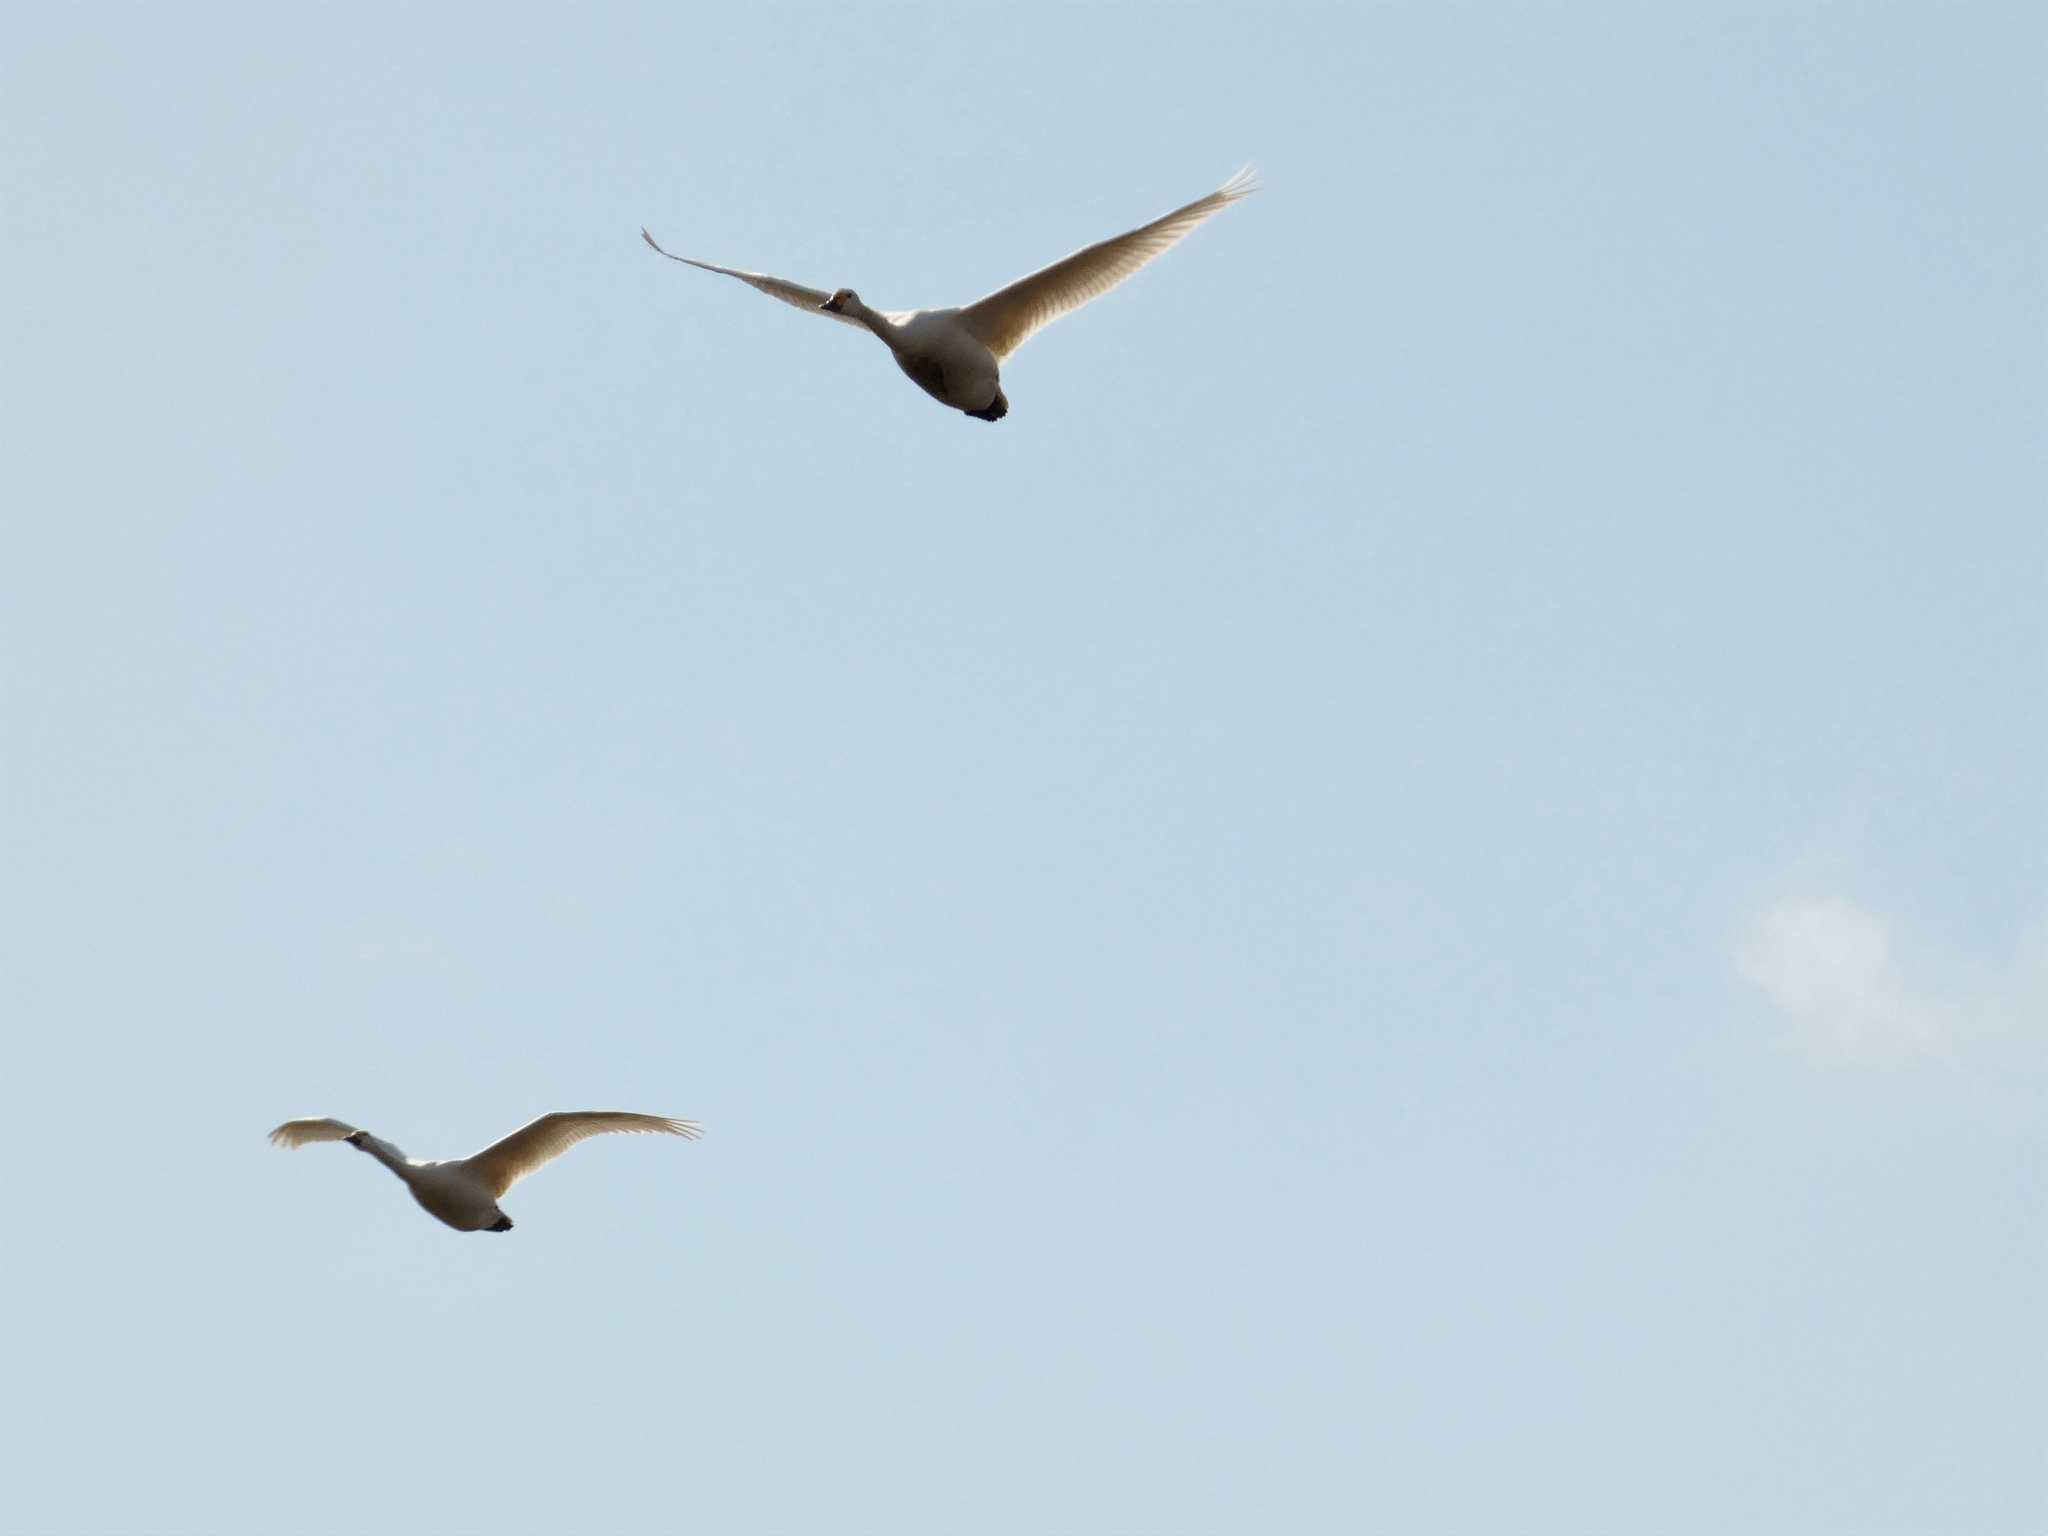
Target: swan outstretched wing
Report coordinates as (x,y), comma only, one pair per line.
(782,288)
(1010,316)
(505,1163)
(298,1133)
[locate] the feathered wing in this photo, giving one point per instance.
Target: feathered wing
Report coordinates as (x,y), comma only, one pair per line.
(505,1163)
(298,1133)
(1011,316)
(781,288)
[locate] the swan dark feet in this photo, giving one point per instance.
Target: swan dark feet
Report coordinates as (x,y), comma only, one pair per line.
(502,1224)
(995,410)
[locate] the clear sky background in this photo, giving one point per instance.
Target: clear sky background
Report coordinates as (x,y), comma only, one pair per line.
(1416,899)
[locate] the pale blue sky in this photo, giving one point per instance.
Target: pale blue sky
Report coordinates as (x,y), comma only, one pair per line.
(1416,899)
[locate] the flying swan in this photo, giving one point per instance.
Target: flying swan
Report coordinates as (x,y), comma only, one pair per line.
(954,355)
(465,1193)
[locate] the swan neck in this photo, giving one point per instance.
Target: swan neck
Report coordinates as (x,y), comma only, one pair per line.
(389,1156)
(874,320)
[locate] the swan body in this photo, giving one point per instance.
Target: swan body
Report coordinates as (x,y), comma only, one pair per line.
(464,1193)
(956,355)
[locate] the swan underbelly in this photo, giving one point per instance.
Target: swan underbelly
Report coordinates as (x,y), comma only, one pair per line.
(949,365)
(461,1203)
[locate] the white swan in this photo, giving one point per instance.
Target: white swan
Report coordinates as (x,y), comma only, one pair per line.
(465,1193)
(954,355)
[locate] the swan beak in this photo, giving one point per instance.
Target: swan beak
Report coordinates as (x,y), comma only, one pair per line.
(832,306)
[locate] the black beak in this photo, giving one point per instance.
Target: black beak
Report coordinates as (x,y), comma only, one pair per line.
(832,306)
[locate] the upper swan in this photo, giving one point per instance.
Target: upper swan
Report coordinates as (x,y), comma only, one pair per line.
(464,1193)
(955,355)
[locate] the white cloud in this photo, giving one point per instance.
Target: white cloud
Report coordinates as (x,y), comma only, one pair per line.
(1832,972)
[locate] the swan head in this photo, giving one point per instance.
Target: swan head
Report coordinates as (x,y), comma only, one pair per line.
(355,1140)
(837,304)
